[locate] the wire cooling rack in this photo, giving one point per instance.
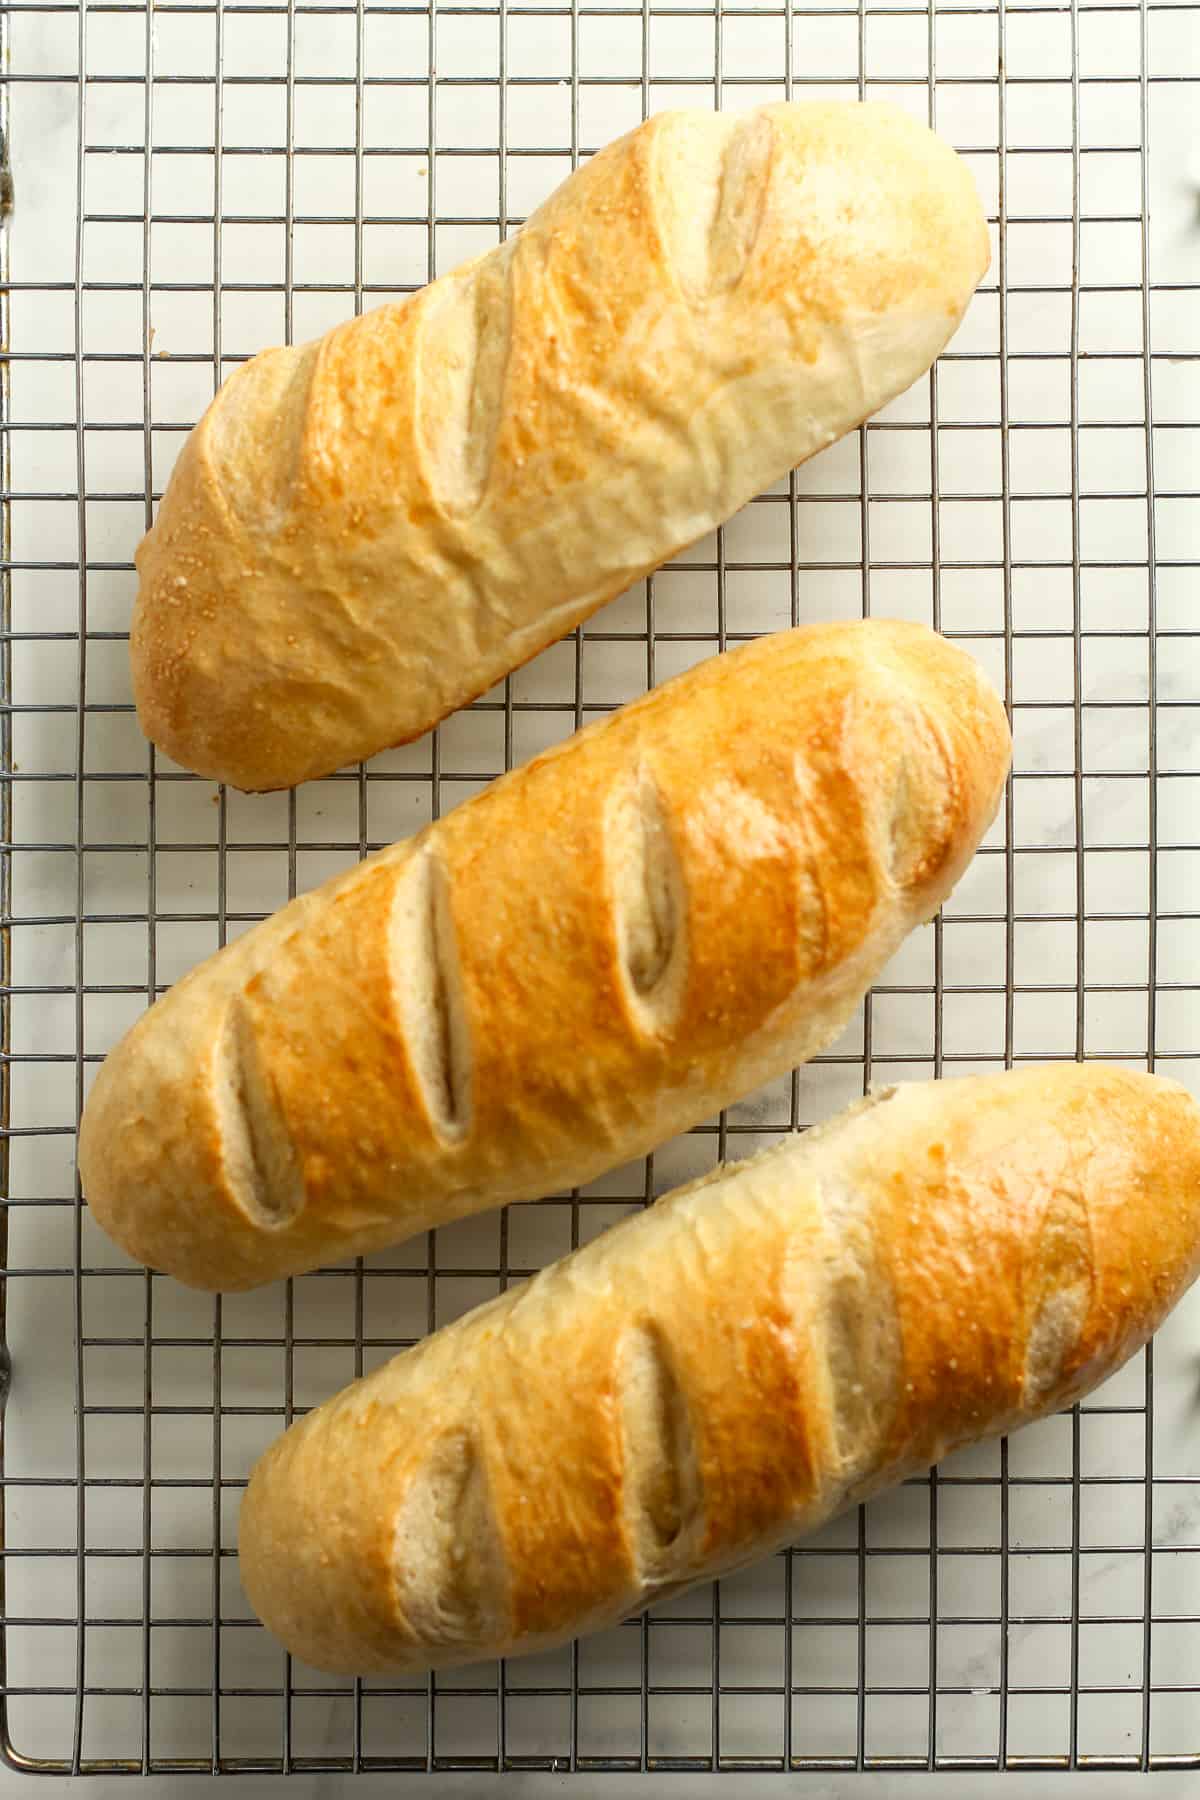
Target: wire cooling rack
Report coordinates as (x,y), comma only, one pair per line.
(195,181)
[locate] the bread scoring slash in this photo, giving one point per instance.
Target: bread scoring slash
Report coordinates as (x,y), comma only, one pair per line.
(365,532)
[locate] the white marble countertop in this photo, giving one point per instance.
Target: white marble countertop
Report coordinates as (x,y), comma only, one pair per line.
(517,1786)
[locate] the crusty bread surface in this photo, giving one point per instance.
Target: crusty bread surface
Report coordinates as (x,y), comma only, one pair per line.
(598,951)
(730,1368)
(364,532)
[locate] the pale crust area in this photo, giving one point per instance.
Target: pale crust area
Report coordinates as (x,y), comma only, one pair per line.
(675,1399)
(598,951)
(366,532)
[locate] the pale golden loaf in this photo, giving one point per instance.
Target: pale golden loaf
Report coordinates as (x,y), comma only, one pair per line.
(730,1368)
(598,951)
(365,532)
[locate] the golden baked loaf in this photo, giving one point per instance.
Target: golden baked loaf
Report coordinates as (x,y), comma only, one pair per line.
(730,1368)
(599,950)
(365,532)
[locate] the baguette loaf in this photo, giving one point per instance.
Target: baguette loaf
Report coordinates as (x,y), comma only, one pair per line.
(731,1368)
(365,532)
(598,951)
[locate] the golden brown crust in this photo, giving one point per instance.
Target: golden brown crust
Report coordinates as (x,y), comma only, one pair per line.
(363,533)
(974,1206)
(457,1023)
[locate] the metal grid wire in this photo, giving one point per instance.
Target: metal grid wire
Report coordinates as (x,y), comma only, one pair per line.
(195,180)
